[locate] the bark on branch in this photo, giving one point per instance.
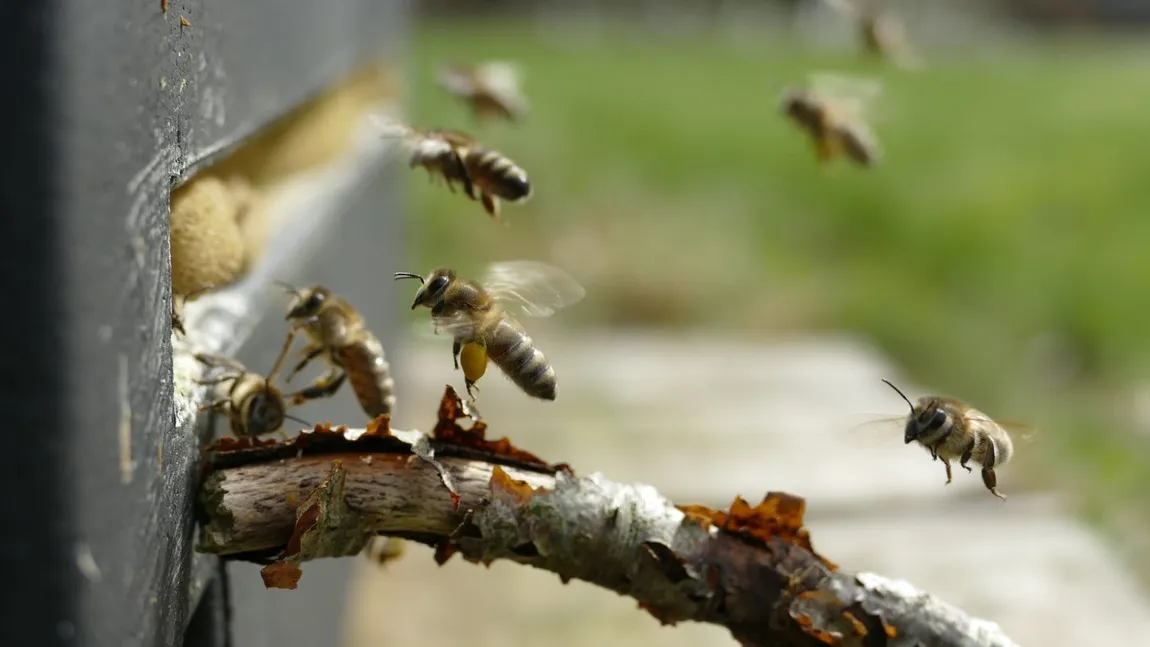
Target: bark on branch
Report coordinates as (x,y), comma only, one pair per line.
(751,569)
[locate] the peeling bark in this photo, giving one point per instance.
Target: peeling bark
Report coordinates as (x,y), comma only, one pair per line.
(752,570)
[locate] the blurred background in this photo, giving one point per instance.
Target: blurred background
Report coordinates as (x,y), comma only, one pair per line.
(743,304)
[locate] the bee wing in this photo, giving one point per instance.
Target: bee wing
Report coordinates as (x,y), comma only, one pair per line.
(885,423)
(451,137)
(453,325)
(504,80)
(1019,431)
(851,97)
(843,7)
(389,126)
(531,288)
(455,79)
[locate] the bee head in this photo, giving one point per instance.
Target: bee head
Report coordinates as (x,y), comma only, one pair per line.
(432,287)
(306,302)
(925,417)
(263,411)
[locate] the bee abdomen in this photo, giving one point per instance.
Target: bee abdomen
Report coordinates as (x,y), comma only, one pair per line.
(514,353)
(369,375)
(498,175)
(1003,448)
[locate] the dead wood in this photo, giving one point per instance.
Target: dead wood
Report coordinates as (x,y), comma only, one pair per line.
(751,569)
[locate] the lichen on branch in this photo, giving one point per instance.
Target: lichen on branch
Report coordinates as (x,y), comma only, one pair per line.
(752,569)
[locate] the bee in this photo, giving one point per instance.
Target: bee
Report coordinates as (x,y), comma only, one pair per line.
(337,331)
(455,157)
(882,33)
(382,550)
(953,430)
(491,89)
(477,316)
(831,109)
(253,405)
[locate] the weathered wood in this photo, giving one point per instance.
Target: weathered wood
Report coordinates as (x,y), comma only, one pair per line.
(116,99)
(766,585)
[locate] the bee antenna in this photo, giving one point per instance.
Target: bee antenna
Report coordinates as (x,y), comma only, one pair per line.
(300,421)
(287,287)
(408,275)
(896,390)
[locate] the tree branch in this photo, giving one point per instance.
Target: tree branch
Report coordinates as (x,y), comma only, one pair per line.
(751,569)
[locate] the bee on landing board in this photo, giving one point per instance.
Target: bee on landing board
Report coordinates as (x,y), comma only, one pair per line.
(477,316)
(455,157)
(953,430)
(492,89)
(337,331)
(832,109)
(253,405)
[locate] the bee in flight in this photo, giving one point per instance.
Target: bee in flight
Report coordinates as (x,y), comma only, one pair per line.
(478,316)
(882,33)
(337,331)
(831,109)
(492,89)
(455,157)
(953,430)
(253,405)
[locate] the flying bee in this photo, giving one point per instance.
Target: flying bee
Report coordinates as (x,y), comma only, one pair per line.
(478,317)
(491,89)
(337,331)
(455,157)
(953,430)
(253,405)
(832,110)
(882,33)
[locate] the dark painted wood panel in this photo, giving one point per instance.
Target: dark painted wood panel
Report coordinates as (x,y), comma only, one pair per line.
(110,101)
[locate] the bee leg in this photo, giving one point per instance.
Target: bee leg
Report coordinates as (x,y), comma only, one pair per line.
(949,475)
(217,405)
(214,381)
(325,387)
(178,324)
(456,348)
(989,479)
(966,454)
(491,206)
(470,387)
(310,353)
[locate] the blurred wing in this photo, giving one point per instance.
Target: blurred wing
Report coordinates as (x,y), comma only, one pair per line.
(455,80)
(843,7)
(531,288)
(892,424)
(429,147)
(455,325)
(391,126)
(504,80)
(852,97)
(1018,431)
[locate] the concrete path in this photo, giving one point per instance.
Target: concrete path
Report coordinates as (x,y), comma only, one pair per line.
(703,419)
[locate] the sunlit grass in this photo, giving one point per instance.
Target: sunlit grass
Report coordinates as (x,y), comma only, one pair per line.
(1013,203)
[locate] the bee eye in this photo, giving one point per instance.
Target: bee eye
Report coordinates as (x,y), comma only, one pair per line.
(314,301)
(937,420)
(436,286)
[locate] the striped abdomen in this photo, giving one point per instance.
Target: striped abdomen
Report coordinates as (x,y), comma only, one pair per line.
(497,175)
(369,374)
(512,351)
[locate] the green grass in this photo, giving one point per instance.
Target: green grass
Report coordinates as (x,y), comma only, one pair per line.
(1013,203)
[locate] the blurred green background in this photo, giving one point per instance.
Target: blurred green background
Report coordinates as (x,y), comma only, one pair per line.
(998,252)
